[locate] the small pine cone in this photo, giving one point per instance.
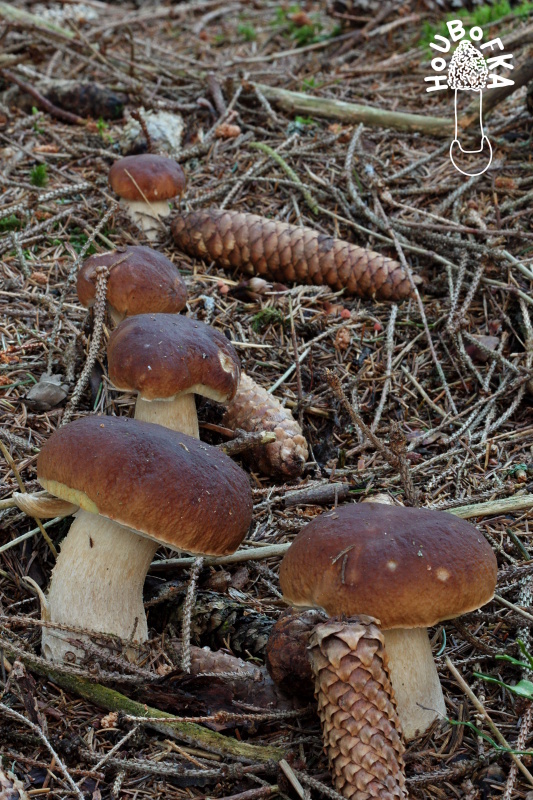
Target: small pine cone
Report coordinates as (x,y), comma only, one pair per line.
(360,725)
(286,656)
(254,409)
(288,253)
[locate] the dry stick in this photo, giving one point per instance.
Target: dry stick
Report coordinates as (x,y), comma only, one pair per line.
(396,459)
(40,733)
(187,614)
(301,103)
(45,104)
(20,482)
(407,268)
(389,346)
(100,304)
(264,148)
(296,366)
(244,440)
(166,724)
(479,706)
(523,736)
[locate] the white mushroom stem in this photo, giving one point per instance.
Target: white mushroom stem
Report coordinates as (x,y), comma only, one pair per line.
(414,679)
(145,215)
(97,584)
(179,414)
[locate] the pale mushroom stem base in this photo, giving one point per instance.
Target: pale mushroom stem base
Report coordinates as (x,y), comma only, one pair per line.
(97,584)
(145,215)
(178,414)
(415,680)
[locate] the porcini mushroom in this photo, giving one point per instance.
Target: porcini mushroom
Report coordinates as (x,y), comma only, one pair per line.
(139,486)
(145,183)
(140,280)
(408,567)
(167,359)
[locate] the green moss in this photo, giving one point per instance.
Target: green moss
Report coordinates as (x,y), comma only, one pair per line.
(39,175)
(267,316)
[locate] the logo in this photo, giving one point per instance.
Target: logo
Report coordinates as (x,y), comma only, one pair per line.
(473,67)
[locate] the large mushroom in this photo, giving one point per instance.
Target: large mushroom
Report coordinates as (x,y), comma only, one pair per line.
(410,568)
(139,486)
(167,359)
(145,183)
(140,280)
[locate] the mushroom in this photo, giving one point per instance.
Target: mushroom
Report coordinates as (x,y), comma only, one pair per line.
(408,567)
(145,183)
(140,280)
(167,359)
(139,486)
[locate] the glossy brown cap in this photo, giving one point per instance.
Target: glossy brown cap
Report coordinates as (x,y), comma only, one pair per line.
(147,177)
(409,567)
(140,280)
(164,355)
(164,484)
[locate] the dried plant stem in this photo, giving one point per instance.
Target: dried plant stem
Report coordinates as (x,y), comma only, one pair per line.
(523,736)
(187,612)
(264,148)
(100,305)
(10,712)
(20,482)
(166,724)
(389,346)
(480,707)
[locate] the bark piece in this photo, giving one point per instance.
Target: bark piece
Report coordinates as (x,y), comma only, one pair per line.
(360,725)
(282,252)
(254,409)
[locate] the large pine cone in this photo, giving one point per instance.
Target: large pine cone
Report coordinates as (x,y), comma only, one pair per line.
(288,253)
(360,725)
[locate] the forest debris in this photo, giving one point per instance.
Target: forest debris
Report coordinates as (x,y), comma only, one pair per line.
(322,494)
(283,252)
(165,129)
(254,409)
(160,721)
(10,787)
(49,392)
(303,103)
(85,99)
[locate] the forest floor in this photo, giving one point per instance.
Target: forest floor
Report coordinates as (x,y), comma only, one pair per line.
(465,412)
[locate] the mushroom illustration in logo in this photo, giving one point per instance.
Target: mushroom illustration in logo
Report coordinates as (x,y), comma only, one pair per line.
(468,71)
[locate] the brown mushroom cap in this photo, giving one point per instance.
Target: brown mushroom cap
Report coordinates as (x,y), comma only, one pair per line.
(147,177)
(164,355)
(163,484)
(143,280)
(409,567)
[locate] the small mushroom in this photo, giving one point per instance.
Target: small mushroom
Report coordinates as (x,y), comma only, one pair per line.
(139,486)
(408,567)
(167,359)
(140,280)
(145,183)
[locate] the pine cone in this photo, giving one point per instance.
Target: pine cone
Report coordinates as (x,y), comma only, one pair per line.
(216,621)
(360,725)
(254,409)
(282,252)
